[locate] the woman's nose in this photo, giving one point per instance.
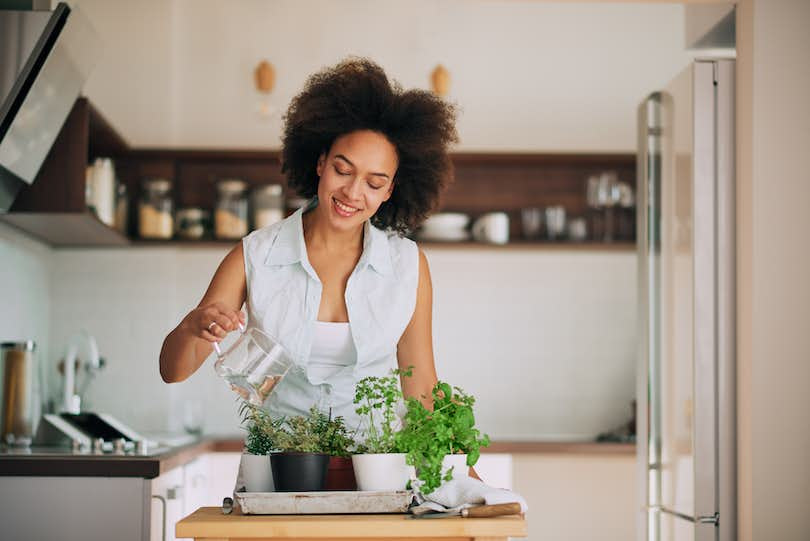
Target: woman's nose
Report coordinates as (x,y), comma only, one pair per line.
(354,188)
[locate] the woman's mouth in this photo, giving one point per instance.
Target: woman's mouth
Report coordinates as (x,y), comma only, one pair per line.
(343,209)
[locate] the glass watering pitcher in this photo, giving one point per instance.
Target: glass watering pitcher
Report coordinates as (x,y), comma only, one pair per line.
(254,365)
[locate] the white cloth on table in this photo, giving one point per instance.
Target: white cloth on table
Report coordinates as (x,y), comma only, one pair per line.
(464,492)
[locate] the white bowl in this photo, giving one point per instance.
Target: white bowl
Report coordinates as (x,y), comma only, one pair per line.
(450,235)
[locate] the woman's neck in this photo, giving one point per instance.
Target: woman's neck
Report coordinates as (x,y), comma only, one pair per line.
(318,234)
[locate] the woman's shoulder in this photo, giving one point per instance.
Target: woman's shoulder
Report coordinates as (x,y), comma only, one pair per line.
(403,251)
(259,242)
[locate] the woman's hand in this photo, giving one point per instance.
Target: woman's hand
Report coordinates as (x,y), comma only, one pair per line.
(212,322)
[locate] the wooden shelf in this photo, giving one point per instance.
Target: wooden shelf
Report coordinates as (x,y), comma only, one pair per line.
(75,229)
(526,245)
(429,245)
(53,208)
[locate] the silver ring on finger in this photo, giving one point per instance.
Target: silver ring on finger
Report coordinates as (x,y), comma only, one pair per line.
(211,325)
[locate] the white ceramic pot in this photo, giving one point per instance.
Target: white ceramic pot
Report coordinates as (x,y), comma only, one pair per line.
(382,472)
(459,465)
(255,473)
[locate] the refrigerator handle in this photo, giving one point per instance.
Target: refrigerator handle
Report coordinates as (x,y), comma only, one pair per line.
(648,457)
(703,519)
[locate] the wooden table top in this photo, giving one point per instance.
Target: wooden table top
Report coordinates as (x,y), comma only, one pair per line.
(210,523)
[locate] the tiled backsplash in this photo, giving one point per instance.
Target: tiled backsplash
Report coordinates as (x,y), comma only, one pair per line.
(544,339)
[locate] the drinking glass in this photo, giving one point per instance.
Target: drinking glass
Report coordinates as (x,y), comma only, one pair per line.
(532,221)
(608,196)
(555,222)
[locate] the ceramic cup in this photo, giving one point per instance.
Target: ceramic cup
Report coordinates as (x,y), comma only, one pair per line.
(492,227)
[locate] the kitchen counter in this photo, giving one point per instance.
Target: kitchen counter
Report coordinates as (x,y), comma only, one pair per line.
(210,523)
(58,462)
(62,462)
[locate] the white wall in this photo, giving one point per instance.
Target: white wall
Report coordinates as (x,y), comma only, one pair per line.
(527,75)
(543,339)
(25,290)
(774,263)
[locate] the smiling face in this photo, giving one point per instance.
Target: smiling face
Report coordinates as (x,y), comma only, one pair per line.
(356,177)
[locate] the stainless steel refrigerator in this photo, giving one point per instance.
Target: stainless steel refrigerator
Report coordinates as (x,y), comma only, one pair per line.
(686,246)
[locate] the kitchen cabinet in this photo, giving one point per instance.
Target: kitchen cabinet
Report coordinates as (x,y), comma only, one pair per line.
(73,508)
(581,491)
(202,482)
(55,495)
(166,504)
(222,468)
(53,208)
(197,479)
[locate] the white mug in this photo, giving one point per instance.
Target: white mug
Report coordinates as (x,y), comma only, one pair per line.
(492,227)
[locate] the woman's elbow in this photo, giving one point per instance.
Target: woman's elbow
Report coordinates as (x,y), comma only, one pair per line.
(168,370)
(167,376)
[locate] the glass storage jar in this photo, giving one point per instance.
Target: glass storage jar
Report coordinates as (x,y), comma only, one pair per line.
(231,214)
(268,205)
(21,398)
(155,220)
(192,223)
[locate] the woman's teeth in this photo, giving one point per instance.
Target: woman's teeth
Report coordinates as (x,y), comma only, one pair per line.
(344,210)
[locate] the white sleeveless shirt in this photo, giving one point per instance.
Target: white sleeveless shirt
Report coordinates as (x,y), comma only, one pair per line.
(283,298)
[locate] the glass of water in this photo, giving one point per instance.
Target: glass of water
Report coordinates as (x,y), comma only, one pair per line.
(254,365)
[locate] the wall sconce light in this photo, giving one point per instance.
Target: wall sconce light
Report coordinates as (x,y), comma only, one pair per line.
(265,78)
(440,81)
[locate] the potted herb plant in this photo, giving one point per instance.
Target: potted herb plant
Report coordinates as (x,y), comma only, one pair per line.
(298,461)
(335,441)
(442,442)
(256,473)
(378,463)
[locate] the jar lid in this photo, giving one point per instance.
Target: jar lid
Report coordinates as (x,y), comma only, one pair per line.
(27,345)
(192,213)
(160,184)
(268,189)
(231,185)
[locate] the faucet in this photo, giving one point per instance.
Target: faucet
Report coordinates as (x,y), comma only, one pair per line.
(71,402)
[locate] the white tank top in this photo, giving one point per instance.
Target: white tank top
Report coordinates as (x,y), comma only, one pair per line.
(332,350)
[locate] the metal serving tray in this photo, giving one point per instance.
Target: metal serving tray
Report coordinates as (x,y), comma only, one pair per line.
(323,503)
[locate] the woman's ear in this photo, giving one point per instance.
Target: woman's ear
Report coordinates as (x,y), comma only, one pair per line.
(320,164)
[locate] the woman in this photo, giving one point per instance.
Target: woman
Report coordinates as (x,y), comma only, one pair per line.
(336,283)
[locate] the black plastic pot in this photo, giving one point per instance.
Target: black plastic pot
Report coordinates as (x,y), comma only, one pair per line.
(299,472)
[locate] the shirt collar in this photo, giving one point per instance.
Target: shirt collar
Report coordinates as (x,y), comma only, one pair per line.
(290,248)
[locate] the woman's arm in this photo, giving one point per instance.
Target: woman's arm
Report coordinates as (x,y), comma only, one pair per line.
(415,347)
(190,343)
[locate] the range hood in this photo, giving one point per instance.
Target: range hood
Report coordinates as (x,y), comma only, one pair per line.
(45,58)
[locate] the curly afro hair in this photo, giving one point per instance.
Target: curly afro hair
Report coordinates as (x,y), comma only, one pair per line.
(357,95)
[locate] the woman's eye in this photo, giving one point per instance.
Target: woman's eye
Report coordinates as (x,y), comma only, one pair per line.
(373,187)
(341,172)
